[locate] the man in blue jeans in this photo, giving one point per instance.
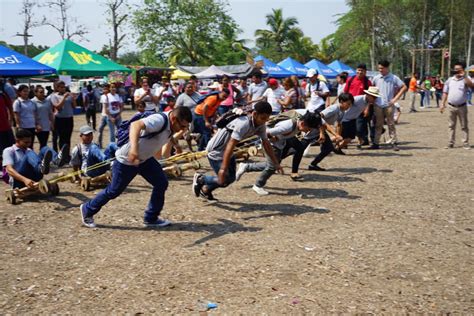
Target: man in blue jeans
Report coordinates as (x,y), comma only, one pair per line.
(23,166)
(220,150)
(87,154)
(146,138)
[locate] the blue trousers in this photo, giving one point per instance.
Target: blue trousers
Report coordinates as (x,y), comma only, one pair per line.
(223,109)
(122,175)
(104,121)
(211,181)
(96,156)
(200,127)
(30,166)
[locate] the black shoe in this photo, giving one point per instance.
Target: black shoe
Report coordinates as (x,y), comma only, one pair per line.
(413,111)
(197,184)
(44,167)
(374,146)
(207,195)
(315,168)
(395,147)
(62,156)
(359,146)
(338,151)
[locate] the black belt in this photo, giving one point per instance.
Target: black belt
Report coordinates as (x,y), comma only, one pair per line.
(457,106)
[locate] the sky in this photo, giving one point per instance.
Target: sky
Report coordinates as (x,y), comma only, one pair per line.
(316,19)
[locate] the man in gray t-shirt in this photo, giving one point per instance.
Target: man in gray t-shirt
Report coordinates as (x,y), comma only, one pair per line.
(220,149)
(455,94)
(257,88)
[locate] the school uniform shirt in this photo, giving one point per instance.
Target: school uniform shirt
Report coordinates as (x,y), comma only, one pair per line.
(147,147)
(316,101)
(150,106)
(239,129)
(340,88)
(257,90)
(79,158)
(67,109)
(332,114)
(388,86)
(26,109)
(45,111)
(273,96)
(13,156)
(356,109)
(189,101)
(282,131)
(212,103)
(457,90)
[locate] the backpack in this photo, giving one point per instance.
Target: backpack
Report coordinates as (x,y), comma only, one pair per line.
(228,117)
(288,115)
(317,88)
(123,131)
(349,82)
(204,97)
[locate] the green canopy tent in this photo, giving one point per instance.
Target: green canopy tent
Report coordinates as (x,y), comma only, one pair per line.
(71,59)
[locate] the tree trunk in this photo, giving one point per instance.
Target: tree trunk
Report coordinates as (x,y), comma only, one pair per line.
(423,44)
(450,36)
(469,45)
(372,46)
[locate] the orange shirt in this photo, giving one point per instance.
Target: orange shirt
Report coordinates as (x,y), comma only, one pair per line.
(413,84)
(212,103)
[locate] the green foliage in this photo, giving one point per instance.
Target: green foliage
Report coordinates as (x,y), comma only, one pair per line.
(193,32)
(33,50)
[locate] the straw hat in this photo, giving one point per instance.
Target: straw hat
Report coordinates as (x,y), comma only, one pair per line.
(373,91)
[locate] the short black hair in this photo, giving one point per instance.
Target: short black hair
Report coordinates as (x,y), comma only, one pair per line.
(183,113)
(362,66)
(193,77)
(263,107)
(312,120)
(22,133)
(22,87)
(257,75)
(344,97)
(385,63)
(170,98)
(460,63)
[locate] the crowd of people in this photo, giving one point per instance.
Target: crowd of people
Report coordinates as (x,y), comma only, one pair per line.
(285,118)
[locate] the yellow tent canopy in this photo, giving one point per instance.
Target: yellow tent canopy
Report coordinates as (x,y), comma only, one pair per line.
(179,74)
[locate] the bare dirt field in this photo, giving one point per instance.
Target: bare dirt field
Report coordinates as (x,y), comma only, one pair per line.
(380,231)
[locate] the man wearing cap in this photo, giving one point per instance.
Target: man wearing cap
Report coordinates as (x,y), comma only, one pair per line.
(87,154)
(317,91)
(274,93)
(391,89)
(455,94)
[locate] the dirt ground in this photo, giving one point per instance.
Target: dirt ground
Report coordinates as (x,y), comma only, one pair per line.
(380,231)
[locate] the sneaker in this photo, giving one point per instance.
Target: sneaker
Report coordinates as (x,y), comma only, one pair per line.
(45,163)
(158,223)
(240,171)
(374,146)
(395,147)
(259,191)
(306,151)
(87,221)
(197,186)
(207,195)
(62,155)
(338,151)
(315,168)
(467,147)
(413,111)
(449,146)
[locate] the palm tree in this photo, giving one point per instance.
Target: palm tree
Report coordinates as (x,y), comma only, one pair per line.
(276,38)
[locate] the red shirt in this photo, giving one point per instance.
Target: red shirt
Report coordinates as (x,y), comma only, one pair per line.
(356,87)
(4,122)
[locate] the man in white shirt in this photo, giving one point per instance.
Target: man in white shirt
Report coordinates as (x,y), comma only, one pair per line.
(146,138)
(317,91)
(274,93)
(257,88)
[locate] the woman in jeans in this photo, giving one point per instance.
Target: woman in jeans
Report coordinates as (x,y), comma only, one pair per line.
(112,107)
(64,104)
(25,112)
(45,115)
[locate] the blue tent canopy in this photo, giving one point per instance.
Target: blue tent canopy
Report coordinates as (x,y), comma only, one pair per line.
(340,67)
(273,69)
(321,68)
(16,64)
(294,66)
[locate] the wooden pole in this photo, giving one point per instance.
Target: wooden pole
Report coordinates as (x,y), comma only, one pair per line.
(442,62)
(413,52)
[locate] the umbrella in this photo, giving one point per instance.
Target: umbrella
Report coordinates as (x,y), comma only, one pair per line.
(16,64)
(69,58)
(340,67)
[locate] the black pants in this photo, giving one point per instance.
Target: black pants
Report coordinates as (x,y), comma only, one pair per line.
(91,116)
(296,148)
(42,138)
(63,127)
(326,148)
(33,132)
(6,140)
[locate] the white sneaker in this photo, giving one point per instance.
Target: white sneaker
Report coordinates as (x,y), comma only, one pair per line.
(259,191)
(87,221)
(306,151)
(240,171)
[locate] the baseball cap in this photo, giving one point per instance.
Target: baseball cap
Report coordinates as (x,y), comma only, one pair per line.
(311,73)
(272,81)
(86,129)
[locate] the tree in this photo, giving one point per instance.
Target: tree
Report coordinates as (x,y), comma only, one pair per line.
(64,26)
(188,32)
(275,41)
(116,20)
(28,22)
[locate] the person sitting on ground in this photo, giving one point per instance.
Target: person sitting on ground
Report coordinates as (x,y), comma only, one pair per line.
(221,149)
(88,154)
(23,166)
(278,136)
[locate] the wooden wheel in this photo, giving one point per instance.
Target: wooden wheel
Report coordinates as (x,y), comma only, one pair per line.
(54,188)
(44,186)
(85,184)
(10,197)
